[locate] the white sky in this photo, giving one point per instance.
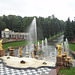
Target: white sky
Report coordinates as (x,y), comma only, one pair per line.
(62,9)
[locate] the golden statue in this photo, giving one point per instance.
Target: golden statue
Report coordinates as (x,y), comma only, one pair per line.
(1,44)
(71,60)
(20,52)
(63,57)
(37,53)
(65,53)
(59,49)
(2,52)
(33,54)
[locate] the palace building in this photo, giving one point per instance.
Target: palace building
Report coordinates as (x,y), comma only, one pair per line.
(6,33)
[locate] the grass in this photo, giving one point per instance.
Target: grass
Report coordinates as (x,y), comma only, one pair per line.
(72,46)
(22,43)
(68,71)
(55,35)
(37,42)
(14,44)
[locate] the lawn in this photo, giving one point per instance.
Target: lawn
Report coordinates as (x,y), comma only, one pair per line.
(70,71)
(55,35)
(22,43)
(14,44)
(72,46)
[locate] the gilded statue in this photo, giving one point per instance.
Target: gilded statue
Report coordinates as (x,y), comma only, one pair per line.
(1,44)
(20,52)
(59,49)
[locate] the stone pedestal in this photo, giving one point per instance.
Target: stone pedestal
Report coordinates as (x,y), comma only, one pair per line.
(2,53)
(63,59)
(59,61)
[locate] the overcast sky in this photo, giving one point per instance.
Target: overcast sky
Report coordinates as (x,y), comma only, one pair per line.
(62,9)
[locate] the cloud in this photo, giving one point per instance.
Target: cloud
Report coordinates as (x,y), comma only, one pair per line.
(61,8)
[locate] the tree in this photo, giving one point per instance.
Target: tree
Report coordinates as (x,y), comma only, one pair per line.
(68,30)
(2,26)
(46,27)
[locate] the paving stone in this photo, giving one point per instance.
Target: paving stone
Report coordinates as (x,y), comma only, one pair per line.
(9,71)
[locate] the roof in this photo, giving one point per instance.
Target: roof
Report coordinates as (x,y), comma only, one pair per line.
(6,29)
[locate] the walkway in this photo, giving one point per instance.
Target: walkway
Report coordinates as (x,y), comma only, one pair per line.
(8,71)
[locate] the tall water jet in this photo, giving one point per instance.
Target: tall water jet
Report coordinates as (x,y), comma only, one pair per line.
(46,48)
(45,41)
(27,50)
(67,44)
(32,36)
(65,47)
(42,44)
(33,31)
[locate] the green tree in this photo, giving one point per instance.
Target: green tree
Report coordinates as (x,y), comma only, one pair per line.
(2,26)
(68,30)
(46,27)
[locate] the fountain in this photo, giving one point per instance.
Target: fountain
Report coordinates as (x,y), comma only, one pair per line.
(33,31)
(45,41)
(32,51)
(27,52)
(42,44)
(33,36)
(66,45)
(63,59)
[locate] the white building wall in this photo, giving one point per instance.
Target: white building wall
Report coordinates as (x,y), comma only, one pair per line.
(6,34)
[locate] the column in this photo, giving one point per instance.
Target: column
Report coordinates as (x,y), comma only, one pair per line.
(11,36)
